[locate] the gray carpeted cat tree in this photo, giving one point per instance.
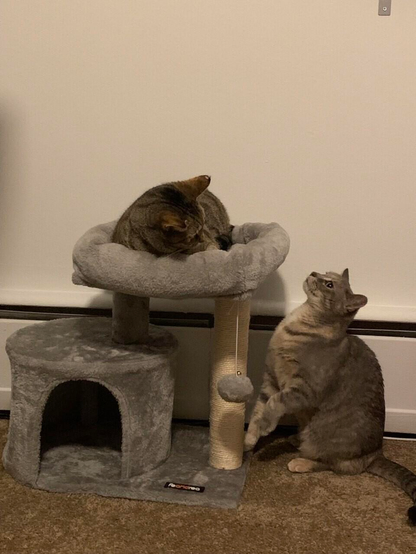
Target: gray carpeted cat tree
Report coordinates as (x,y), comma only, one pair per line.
(92,398)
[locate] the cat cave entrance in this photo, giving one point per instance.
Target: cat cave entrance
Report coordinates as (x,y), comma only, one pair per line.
(81,435)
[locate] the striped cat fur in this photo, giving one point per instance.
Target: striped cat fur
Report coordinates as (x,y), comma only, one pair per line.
(332,382)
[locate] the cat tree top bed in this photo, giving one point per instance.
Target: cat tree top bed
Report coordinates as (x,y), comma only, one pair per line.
(258,249)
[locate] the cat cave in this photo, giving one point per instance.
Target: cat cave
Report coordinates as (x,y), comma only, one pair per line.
(92,397)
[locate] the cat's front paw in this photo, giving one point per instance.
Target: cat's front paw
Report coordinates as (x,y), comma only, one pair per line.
(249,442)
(267,427)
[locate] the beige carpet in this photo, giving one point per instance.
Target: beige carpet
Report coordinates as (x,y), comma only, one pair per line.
(279,512)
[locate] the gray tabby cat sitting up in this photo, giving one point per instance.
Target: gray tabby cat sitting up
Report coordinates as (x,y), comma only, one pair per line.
(175,218)
(332,382)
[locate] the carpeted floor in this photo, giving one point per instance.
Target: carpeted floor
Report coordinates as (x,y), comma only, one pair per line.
(279,513)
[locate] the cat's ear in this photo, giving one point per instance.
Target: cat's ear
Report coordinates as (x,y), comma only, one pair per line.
(192,188)
(346,275)
(169,221)
(355,302)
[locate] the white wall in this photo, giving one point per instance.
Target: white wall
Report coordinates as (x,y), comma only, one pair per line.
(302,112)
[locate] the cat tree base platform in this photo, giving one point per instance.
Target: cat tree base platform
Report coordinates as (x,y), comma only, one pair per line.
(97,471)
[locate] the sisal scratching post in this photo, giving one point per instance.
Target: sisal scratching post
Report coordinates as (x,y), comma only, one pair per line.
(130,319)
(232,320)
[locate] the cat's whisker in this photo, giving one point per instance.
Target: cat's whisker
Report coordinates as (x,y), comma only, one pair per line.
(178,251)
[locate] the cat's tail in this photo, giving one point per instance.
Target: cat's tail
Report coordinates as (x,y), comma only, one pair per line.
(400,476)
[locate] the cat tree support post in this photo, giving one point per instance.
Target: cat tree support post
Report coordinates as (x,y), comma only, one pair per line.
(130,319)
(232,320)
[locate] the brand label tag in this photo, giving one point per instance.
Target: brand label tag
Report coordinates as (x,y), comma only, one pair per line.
(183,487)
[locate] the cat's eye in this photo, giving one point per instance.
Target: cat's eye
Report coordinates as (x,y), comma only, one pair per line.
(329,284)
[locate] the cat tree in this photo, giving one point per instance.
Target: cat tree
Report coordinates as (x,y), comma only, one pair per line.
(97,368)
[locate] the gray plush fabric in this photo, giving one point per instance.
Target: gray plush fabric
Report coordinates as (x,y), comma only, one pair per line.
(259,250)
(56,364)
(86,470)
(139,377)
(130,319)
(235,388)
(66,435)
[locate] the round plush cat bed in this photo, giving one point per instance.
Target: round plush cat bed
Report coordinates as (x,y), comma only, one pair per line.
(258,250)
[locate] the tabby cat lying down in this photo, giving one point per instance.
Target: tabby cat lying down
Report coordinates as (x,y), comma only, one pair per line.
(175,218)
(332,382)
